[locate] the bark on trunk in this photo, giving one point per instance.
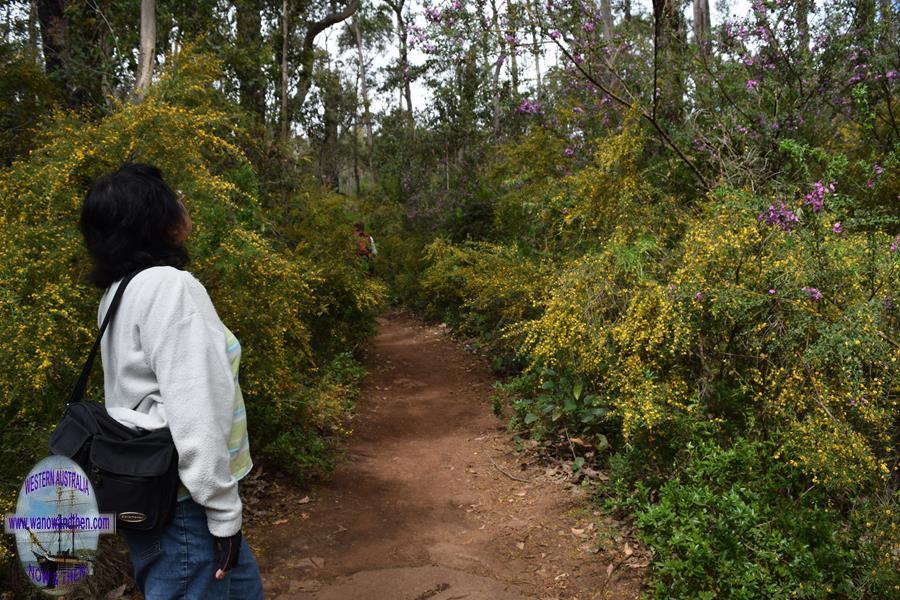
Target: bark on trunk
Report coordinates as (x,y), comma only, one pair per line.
(283,112)
(702,24)
(512,17)
(147,57)
(307,53)
(535,47)
(53,34)
(248,69)
(670,41)
(402,44)
(608,23)
(364,89)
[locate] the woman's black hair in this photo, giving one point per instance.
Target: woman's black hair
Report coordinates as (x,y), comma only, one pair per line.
(129,219)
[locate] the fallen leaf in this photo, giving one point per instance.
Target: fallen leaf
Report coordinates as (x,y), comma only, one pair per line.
(280,522)
(609,569)
(628,550)
(304,500)
(520,545)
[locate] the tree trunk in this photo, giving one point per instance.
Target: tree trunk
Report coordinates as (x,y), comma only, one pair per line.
(53,36)
(307,53)
(669,33)
(702,25)
(802,8)
(535,47)
(356,152)
(626,8)
(34,35)
(248,68)
(402,43)
(364,89)
(283,112)
(513,21)
(148,49)
(498,66)
(329,157)
(607,18)
(889,36)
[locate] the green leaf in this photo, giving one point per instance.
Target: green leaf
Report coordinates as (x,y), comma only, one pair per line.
(530,418)
(579,462)
(577,389)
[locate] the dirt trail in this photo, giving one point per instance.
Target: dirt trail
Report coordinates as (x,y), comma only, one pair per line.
(421,510)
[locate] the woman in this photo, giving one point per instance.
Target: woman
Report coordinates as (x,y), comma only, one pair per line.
(168,361)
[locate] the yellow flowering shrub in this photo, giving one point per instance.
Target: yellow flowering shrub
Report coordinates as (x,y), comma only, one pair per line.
(740,354)
(281,300)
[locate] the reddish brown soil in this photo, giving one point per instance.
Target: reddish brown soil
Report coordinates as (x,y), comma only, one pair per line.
(422,508)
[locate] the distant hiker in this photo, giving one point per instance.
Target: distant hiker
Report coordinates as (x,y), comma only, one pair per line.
(365,246)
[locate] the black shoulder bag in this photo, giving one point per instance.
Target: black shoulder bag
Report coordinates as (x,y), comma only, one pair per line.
(134,473)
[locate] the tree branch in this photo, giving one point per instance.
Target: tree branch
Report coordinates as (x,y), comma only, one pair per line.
(663,134)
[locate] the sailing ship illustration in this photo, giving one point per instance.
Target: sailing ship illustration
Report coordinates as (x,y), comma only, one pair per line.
(68,564)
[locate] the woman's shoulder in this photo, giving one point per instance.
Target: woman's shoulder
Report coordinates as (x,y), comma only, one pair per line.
(167,285)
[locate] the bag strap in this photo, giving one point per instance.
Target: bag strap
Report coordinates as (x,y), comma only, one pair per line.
(81,385)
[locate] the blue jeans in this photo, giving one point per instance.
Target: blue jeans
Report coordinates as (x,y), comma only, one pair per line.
(177,562)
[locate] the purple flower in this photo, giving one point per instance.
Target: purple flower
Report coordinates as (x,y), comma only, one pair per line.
(528,108)
(577,110)
(588,26)
(698,296)
(895,244)
(878,170)
(813,293)
(816,198)
(568,152)
(752,84)
(743,130)
(771,291)
(555,34)
(836,228)
(778,214)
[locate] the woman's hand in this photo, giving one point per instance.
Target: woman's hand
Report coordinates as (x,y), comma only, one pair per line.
(226,553)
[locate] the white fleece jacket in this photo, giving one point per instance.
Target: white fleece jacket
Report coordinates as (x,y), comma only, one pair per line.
(165,364)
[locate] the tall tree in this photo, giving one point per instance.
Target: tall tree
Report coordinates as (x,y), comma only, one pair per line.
(332,17)
(403,46)
(248,61)
(147,49)
(362,78)
(53,22)
(702,24)
(669,42)
(607,17)
(284,87)
(802,8)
